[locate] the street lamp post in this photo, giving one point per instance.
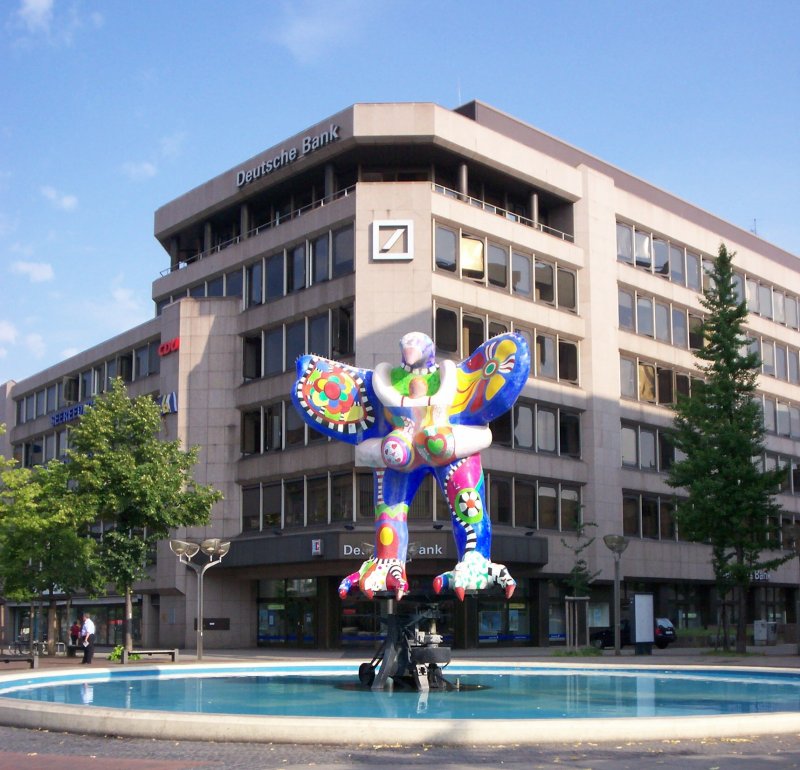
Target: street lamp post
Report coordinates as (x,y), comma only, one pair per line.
(793,532)
(617,545)
(185,550)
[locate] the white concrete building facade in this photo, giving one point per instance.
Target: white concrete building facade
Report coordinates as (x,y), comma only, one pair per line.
(389,218)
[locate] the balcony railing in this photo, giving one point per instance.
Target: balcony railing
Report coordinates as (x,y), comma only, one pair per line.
(437,188)
(501,212)
(278,220)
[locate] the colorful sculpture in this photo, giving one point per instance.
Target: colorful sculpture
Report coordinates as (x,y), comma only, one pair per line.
(411,420)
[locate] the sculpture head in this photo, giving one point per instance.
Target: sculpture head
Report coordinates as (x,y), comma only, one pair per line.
(417,351)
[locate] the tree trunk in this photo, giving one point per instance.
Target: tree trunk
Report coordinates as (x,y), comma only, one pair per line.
(52,625)
(128,620)
(741,619)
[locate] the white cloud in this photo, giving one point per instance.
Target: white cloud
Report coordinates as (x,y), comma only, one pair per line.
(60,200)
(118,309)
(311,28)
(35,345)
(57,25)
(8,332)
(36,15)
(38,272)
(138,172)
(171,146)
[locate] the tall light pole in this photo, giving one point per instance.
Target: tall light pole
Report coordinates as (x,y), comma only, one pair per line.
(185,550)
(617,545)
(793,532)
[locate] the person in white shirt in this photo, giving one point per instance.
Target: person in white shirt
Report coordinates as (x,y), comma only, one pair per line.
(87,637)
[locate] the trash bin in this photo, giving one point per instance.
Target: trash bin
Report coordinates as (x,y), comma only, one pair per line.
(759,632)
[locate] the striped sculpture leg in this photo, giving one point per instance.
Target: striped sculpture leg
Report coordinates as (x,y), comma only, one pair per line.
(385,570)
(463,484)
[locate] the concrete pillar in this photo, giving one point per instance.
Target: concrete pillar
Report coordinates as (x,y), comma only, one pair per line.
(330,181)
(534,206)
(244,221)
(463,179)
(208,234)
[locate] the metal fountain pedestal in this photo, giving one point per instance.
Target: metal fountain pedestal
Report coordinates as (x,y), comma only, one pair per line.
(411,656)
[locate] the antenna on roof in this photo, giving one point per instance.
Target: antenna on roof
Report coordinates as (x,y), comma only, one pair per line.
(754,228)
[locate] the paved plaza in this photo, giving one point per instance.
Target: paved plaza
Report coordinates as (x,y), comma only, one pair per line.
(22,749)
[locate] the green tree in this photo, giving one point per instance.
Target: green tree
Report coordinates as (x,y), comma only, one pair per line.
(46,550)
(138,486)
(720,431)
(580,576)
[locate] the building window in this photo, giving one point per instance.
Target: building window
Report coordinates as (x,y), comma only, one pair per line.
(273,427)
(271,505)
(251,357)
(660,257)
(521,274)
(255,284)
(275,278)
(343,331)
(472,259)
(320,258)
(343,252)
(294,434)
(567,294)
(294,514)
(545,356)
(547,507)
(296,268)
(342,497)
(273,351)
(251,432)
(567,361)
(317,500)
(446,331)
(544,282)
(624,243)
(500,499)
(498,265)
(525,504)
(318,337)
(644,316)
(445,249)
(251,509)
(570,508)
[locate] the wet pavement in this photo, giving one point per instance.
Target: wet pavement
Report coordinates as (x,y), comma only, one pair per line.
(22,749)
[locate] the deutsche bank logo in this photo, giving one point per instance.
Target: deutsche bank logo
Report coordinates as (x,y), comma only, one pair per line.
(392,239)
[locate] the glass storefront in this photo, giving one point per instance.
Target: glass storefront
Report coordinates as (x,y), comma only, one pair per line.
(287,612)
(109,621)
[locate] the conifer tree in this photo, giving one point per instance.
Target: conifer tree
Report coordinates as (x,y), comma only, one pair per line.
(719,430)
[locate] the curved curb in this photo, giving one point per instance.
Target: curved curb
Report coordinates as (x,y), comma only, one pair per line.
(349,731)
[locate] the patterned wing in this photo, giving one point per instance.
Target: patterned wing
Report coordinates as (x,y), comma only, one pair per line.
(337,400)
(491,379)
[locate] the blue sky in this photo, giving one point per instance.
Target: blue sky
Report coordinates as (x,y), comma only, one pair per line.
(112,108)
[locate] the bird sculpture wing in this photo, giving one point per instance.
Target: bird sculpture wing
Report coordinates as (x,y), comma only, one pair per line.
(337,400)
(490,380)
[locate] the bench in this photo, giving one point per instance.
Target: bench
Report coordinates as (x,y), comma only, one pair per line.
(127,653)
(33,661)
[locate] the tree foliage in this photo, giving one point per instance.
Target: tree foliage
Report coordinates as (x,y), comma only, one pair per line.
(46,551)
(138,486)
(580,576)
(719,429)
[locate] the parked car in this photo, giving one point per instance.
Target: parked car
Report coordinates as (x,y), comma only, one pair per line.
(664,634)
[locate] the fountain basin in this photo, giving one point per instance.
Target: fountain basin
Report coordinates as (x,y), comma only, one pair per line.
(323,703)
